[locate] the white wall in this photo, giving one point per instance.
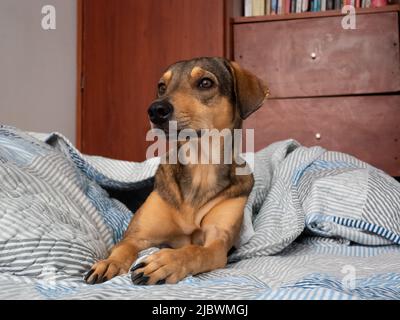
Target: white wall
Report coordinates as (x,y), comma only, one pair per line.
(38,67)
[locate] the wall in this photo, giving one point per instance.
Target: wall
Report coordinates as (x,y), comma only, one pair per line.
(38,67)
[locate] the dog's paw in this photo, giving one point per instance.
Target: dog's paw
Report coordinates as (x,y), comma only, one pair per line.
(165,266)
(104,270)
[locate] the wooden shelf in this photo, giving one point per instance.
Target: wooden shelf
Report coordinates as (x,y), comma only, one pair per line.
(305,15)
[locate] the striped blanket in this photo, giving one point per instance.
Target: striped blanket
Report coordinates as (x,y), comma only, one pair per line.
(318,225)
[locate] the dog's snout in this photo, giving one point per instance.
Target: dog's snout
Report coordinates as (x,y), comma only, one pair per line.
(160,112)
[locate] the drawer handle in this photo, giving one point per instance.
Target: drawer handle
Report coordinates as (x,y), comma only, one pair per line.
(318,136)
(313,55)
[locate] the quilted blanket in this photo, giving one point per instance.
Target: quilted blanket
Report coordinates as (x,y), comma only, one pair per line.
(318,225)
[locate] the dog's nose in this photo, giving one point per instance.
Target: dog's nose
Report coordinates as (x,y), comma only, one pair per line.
(160,112)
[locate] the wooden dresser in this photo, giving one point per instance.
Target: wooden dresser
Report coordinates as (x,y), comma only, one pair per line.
(329,86)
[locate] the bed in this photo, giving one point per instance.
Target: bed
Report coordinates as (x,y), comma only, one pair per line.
(317,225)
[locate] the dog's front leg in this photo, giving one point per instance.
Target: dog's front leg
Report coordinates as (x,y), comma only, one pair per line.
(150,226)
(121,258)
(220,226)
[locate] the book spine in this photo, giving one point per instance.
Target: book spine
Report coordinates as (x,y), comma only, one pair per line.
(258,7)
(274,6)
(315,6)
(254,8)
(248,8)
(304,6)
(329,4)
(338,4)
(298,6)
(287,6)
(279,10)
(262,7)
(323,5)
(267,7)
(293,6)
(378,3)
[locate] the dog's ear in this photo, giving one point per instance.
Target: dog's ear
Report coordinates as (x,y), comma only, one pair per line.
(250,91)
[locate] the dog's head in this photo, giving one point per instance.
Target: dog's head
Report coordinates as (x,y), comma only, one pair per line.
(206,93)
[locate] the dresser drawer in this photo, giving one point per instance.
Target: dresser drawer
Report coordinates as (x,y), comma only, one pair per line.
(317,57)
(366,127)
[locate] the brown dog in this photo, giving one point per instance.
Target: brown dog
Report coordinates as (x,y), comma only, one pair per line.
(195,209)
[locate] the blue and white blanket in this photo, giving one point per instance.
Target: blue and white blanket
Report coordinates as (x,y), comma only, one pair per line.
(318,225)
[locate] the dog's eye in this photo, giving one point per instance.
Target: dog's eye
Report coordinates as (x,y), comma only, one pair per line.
(161,88)
(206,83)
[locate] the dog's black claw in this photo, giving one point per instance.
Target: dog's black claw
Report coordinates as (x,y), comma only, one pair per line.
(162,281)
(94,279)
(136,277)
(104,279)
(138,266)
(88,274)
(143,280)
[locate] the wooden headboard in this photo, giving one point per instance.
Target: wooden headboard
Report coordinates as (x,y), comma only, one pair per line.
(329,86)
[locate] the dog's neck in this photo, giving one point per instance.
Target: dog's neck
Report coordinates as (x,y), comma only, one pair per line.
(205,168)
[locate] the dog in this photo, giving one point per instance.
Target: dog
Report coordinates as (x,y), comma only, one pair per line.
(195,210)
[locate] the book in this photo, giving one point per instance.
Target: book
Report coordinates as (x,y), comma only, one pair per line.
(279,10)
(274,6)
(323,5)
(267,6)
(287,7)
(304,5)
(293,6)
(298,6)
(378,3)
(248,8)
(358,3)
(338,5)
(329,4)
(258,7)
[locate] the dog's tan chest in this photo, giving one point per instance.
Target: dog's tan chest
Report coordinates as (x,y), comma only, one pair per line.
(190,220)
(193,216)
(203,178)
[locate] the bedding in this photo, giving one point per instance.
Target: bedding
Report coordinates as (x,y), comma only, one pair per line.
(318,225)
